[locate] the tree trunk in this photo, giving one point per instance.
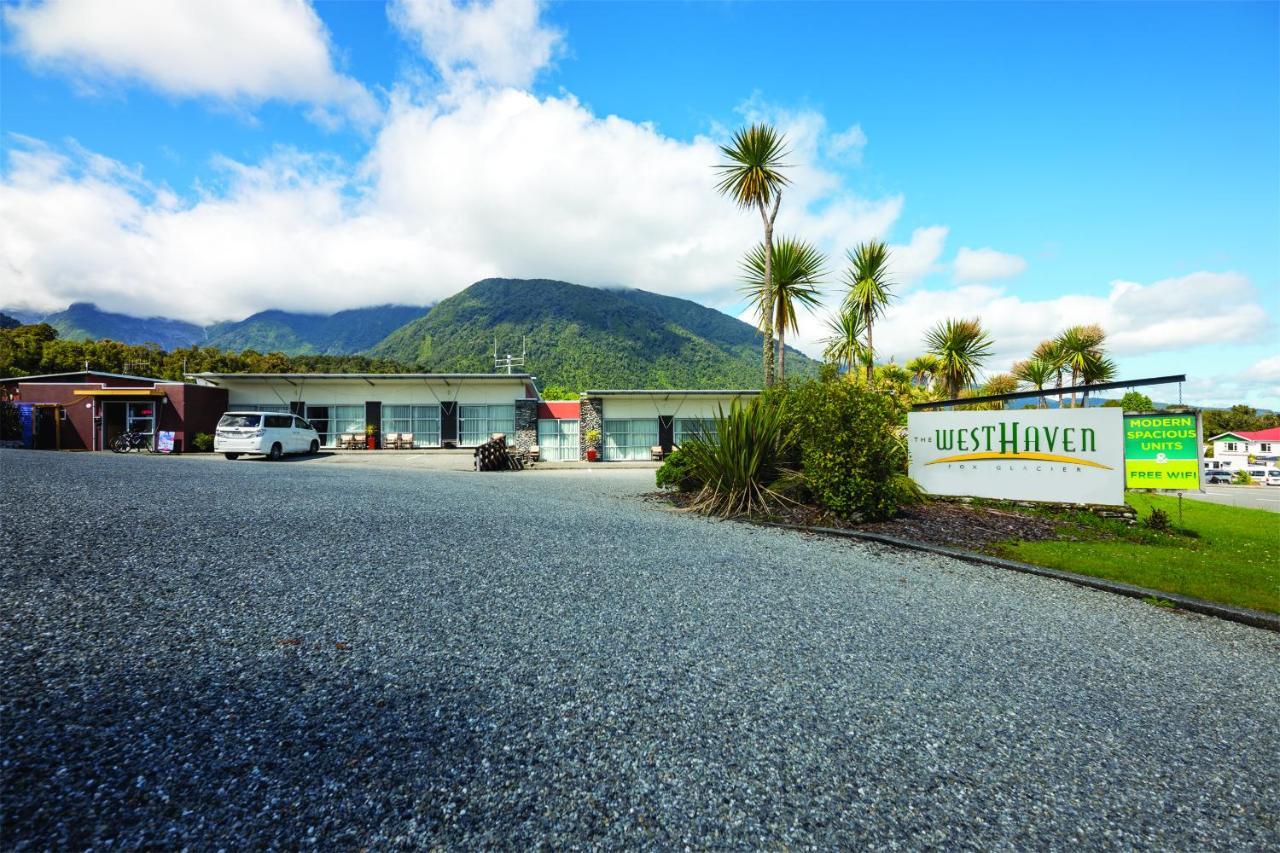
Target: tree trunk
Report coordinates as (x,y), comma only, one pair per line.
(766,306)
(871,353)
(782,353)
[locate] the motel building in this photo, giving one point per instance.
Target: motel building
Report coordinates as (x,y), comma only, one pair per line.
(88,409)
(463,410)
(1234,451)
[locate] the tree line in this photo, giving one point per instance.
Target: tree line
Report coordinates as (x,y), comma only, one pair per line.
(36,349)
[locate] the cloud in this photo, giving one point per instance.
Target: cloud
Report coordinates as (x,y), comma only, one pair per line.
(498,183)
(500,42)
(847,145)
(235,51)
(918,258)
(1169,315)
(986,265)
(1266,370)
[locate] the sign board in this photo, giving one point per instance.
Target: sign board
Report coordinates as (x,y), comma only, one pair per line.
(1053,455)
(1161,452)
(164,441)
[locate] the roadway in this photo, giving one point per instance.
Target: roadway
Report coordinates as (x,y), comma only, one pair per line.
(1253,497)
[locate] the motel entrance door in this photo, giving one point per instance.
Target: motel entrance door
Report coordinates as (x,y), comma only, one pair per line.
(121,415)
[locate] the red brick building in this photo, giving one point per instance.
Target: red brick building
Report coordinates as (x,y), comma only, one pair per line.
(86,410)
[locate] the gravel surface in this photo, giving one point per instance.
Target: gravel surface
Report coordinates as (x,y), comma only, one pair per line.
(212,654)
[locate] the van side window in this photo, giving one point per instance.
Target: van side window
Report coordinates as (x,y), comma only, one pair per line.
(279,421)
(299,423)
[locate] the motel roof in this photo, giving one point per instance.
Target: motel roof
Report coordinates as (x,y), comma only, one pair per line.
(367,377)
(676,392)
(1272,434)
(83,375)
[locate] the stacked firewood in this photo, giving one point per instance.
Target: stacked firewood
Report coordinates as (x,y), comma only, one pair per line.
(493,456)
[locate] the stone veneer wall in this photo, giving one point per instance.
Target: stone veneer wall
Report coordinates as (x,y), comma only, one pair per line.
(526,424)
(591,416)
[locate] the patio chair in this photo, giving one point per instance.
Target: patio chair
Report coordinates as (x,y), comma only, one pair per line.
(535,453)
(656,453)
(391,441)
(406,441)
(346,441)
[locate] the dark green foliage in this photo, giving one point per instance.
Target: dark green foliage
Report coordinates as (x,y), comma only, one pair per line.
(553,391)
(676,472)
(739,461)
(37,349)
(852,453)
(1136,401)
(583,337)
(202,442)
(1239,418)
(309,334)
(1158,520)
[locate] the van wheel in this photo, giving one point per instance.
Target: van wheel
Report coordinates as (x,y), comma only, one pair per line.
(314,449)
(232,456)
(277,452)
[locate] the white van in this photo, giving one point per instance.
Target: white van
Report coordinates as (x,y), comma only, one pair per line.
(269,433)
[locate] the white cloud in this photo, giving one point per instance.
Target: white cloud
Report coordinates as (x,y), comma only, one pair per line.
(499,183)
(986,265)
(236,51)
(500,42)
(1265,370)
(847,145)
(918,258)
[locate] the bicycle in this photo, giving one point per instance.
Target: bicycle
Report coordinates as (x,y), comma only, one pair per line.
(139,441)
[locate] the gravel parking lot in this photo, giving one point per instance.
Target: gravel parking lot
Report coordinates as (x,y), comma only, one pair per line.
(209,654)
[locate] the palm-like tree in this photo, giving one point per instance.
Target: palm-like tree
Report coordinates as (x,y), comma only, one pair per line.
(1097,369)
(870,288)
(752,177)
(1001,383)
(961,346)
(797,269)
(923,368)
(1077,345)
(1037,373)
(844,339)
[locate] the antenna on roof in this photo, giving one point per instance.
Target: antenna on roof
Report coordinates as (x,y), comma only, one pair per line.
(508,361)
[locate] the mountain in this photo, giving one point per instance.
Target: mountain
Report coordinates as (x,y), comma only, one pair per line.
(23,316)
(313,334)
(7,322)
(587,337)
(84,321)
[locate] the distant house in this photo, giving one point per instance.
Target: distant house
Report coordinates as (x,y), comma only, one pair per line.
(1236,450)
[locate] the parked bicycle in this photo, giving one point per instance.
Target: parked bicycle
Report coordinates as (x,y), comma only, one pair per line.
(138,441)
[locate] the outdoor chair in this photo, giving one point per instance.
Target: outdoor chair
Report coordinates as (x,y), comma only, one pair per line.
(656,453)
(345,441)
(391,441)
(406,441)
(534,453)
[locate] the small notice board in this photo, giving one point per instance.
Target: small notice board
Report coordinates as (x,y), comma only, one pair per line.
(164,441)
(1162,452)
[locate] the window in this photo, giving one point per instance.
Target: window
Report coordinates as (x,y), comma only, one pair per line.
(1231,446)
(689,427)
(332,421)
(141,417)
(422,421)
(279,422)
(1264,448)
(476,424)
(299,423)
(241,421)
(558,440)
(629,439)
(264,407)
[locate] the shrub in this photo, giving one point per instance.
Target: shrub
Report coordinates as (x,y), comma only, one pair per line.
(1158,520)
(202,442)
(676,472)
(739,459)
(852,451)
(1241,478)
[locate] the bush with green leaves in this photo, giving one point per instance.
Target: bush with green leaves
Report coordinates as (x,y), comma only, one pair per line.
(738,460)
(1241,478)
(676,472)
(202,442)
(851,446)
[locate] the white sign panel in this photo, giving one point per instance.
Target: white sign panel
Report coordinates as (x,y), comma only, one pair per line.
(1057,455)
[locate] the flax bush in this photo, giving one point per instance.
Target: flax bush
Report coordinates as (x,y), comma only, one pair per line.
(738,461)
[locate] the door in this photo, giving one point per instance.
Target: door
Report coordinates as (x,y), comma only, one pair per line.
(113,421)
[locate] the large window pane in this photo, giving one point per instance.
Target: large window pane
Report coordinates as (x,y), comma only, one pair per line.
(423,422)
(558,440)
(690,427)
(629,439)
(331,421)
(478,423)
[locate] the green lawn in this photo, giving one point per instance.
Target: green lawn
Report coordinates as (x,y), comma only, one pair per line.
(1235,559)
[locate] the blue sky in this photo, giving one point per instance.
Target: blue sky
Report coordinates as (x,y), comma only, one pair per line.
(1034,164)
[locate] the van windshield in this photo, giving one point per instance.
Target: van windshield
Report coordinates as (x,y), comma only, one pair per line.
(240,420)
